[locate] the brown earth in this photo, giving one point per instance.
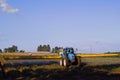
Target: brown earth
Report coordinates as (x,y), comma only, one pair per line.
(91,69)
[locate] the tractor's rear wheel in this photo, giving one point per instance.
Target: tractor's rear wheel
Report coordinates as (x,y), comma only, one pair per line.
(65,62)
(61,62)
(78,61)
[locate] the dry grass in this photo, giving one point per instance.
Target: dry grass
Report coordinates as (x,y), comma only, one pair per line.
(101,60)
(97,55)
(14,56)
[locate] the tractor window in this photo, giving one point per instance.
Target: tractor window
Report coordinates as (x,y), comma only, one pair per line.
(71,50)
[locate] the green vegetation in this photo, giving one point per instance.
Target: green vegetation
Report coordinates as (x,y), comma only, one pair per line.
(40,48)
(0,50)
(56,49)
(112,53)
(11,49)
(43,48)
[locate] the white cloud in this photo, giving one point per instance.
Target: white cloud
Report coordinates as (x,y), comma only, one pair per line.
(7,8)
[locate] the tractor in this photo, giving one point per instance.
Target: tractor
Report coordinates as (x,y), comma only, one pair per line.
(68,57)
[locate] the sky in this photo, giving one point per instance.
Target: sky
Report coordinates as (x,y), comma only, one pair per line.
(91,26)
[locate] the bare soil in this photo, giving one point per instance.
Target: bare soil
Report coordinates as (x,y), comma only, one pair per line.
(91,69)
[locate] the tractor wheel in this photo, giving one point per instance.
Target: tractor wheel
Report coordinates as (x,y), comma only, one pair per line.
(61,62)
(65,62)
(78,61)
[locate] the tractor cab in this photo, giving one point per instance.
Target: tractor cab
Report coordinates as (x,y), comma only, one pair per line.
(68,50)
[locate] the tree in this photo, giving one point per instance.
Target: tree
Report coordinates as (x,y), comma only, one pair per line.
(48,48)
(43,48)
(21,51)
(56,49)
(40,48)
(53,50)
(14,48)
(11,49)
(0,50)
(5,50)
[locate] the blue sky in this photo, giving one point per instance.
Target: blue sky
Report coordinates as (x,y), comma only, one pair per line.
(92,26)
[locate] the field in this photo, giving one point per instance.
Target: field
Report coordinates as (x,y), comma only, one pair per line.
(18,56)
(94,68)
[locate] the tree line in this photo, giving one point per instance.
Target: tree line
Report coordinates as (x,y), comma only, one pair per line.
(48,48)
(40,48)
(112,53)
(10,49)
(43,48)
(56,49)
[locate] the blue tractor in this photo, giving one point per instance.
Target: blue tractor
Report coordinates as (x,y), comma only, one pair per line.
(68,57)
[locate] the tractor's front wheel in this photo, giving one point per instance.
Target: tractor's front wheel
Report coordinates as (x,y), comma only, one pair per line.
(61,62)
(65,62)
